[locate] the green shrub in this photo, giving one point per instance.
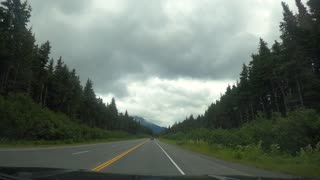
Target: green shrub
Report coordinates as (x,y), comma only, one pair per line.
(299,129)
(275,149)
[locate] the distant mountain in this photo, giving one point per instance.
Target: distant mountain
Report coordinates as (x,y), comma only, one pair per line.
(155,128)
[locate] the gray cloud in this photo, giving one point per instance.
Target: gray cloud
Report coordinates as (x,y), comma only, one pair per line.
(67,7)
(116,42)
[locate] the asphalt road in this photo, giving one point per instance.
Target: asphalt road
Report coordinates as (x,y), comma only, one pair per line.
(143,157)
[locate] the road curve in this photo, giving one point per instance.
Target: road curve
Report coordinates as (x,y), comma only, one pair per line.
(140,157)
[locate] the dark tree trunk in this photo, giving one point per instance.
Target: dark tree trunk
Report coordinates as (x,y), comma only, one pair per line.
(45,96)
(299,93)
(276,102)
(252,113)
(41,94)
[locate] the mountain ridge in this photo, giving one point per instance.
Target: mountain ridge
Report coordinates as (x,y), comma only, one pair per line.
(156,129)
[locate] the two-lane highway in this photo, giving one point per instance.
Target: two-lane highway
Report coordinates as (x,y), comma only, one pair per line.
(141,157)
(69,157)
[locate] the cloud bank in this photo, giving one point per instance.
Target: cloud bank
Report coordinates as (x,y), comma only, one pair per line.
(161,59)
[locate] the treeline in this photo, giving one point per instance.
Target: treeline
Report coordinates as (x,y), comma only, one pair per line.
(278,79)
(289,134)
(26,68)
(24,120)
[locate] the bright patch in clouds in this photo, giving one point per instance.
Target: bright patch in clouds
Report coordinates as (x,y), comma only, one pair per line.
(166,101)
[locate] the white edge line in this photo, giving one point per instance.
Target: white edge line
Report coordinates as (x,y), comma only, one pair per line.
(80,152)
(171,159)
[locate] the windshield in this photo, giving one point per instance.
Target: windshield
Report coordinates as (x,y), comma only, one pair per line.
(161,87)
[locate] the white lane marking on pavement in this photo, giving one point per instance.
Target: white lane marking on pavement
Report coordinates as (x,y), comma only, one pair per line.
(81,152)
(171,159)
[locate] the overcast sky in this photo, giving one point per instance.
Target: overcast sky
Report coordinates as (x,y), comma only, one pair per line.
(161,59)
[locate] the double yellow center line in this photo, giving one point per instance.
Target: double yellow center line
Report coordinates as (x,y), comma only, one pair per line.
(101,166)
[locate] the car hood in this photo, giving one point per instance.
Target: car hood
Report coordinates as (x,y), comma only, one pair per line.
(25,173)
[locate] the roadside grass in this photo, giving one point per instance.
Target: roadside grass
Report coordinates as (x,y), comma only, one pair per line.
(4,143)
(306,163)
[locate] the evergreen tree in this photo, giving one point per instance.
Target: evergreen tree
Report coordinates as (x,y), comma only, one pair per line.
(88,104)
(40,73)
(113,112)
(16,47)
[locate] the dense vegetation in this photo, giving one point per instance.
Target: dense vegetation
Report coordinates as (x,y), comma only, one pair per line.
(299,129)
(61,104)
(275,104)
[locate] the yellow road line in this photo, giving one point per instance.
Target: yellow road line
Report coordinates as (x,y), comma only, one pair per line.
(105,164)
